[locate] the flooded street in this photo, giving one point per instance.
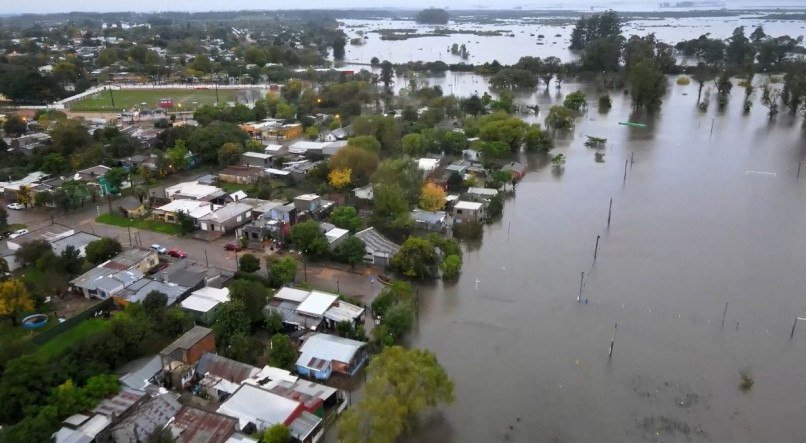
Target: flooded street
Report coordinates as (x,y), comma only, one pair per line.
(701,220)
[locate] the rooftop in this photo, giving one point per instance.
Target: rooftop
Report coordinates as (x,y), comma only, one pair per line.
(316,303)
(137,291)
(225,368)
(488,192)
(328,348)
(292,294)
(193,208)
(427,164)
(192,190)
(149,415)
(106,278)
(187,340)
(377,242)
(120,403)
(307,197)
(472,206)
(241,171)
(251,404)
(228,212)
(193,425)
(205,299)
(49,233)
(428,217)
(139,378)
(257,155)
(129,258)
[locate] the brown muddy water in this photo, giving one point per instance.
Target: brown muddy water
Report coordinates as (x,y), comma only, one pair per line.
(704,218)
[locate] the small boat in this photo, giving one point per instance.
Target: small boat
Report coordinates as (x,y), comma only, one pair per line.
(384,279)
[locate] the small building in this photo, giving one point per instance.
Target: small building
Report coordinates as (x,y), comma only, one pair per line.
(139,259)
(49,233)
(190,347)
(137,291)
(227,218)
(243,175)
(203,303)
(145,375)
(94,177)
(481,194)
(335,236)
(195,209)
(427,164)
(468,211)
(193,425)
(364,193)
(379,249)
(286,214)
(308,203)
(79,241)
(194,191)
(258,409)
(517,169)
(80,428)
(305,147)
(303,309)
(323,354)
(430,221)
(257,159)
(459,167)
(102,282)
(219,377)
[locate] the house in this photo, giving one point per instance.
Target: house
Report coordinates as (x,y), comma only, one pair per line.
(288,385)
(517,169)
(202,303)
(259,206)
(303,309)
(243,175)
(195,209)
(257,409)
(140,259)
(305,147)
(132,209)
(286,214)
(237,196)
(49,233)
(468,211)
(311,203)
(219,377)
(335,236)
(364,193)
(144,375)
(28,142)
(226,219)
(95,177)
(10,189)
(256,159)
(427,164)
(193,276)
(208,179)
(147,416)
(80,428)
(339,134)
(121,404)
(261,230)
(193,425)
(190,347)
(481,194)
(330,149)
(430,221)
(459,167)
(79,241)
(379,249)
(322,354)
(102,282)
(137,291)
(195,191)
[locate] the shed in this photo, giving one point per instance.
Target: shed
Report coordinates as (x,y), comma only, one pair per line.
(323,354)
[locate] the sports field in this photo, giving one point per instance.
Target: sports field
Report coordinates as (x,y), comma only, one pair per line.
(189,99)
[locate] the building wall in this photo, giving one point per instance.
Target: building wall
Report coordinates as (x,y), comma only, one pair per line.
(323,374)
(207,344)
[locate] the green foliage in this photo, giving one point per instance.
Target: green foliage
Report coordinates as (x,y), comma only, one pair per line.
(230,154)
(351,251)
(402,383)
(346,217)
(282,271)
(15,125)
(155,303)
(186,223)
(102,250)
(403,173)
(537,140)
(432,16)
(496,207)
(206,141)
(413,144)
(361,162)
(274,321)
(281,352)
(500,127)
(30,252)
(253,295)
(308,238)
(54,163)
(248,263)
(368,142)
(575,101)
(605,103)
(451,266)
(416,258)
(232,318)
(177,156)
(276,434)
(115,177)
(560,117)
(391,209)
(558,161)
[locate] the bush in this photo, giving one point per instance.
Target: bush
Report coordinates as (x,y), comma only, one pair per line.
(683,80)
(451,266)
(248,263)
(605,103)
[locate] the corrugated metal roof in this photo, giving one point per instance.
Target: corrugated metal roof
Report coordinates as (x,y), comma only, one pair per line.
(317,303)
(328,347)
(187,340)
(225,368)
(376,242)
(192,425)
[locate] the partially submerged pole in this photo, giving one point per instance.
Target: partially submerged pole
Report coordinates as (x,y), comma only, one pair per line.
(632,158)
(596,249)
(626,161)
(799,165)
(610,212)
(724,314)
(581,280)
(612,341)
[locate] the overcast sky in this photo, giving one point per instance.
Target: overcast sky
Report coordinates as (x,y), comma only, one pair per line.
(46,6)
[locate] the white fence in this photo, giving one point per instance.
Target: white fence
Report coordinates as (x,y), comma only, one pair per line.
(60,104)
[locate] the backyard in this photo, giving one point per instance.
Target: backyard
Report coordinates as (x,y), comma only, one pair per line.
(63,341)
(139,223)
(183,99)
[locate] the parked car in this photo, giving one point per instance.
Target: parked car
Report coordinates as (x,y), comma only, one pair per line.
(15,206)
(233,247)
(18,233)
(177,253)
(159,248)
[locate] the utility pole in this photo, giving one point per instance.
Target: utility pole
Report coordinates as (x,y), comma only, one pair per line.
(305,269)
(596,249)
(626,161)
(612,341)
(111,96)
(206,262)
(129,229)
(610,212)
(724,314)
(799,165)
(792,334)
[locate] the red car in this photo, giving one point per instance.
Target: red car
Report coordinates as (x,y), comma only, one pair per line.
(233,247)
(177,253)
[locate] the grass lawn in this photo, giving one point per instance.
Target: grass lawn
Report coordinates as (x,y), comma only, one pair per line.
(148,225)
(14,226)
(132,98)
(61,342)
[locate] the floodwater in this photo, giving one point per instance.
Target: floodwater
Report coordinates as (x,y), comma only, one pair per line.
(520,38)
(704,217)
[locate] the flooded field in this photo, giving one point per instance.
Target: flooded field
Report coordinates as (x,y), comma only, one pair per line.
(704,218)
(520,38)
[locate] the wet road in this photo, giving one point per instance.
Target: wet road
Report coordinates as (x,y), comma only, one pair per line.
(701,220)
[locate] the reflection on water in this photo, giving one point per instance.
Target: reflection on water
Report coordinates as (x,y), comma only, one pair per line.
(703,218)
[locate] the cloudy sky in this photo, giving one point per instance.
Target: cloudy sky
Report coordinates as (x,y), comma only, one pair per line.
(46,6)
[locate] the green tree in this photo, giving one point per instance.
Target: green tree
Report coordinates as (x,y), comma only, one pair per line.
(537,140)
(155,304)
(274,321)
(54,163)
(432,16)
(177,156)
(231,319)
(248,263)
(3,219)
(351,251)
(253,295)
(230,154)
(451,266)
(30,252)
(416,258)
(346,217)
(282,271)
(647,84)
(14,299)
(560,117)
(281,352)
(69,136)
(15,125)
(739,52)
(102,250)
(391,209)
(115,177)
(413,144)
(285,111)
(402,383)
(575,101)
(368,142)
(401,172)
(276,434)
(361,162)
(207,141)
(70,260)
(387,75)
(308,238)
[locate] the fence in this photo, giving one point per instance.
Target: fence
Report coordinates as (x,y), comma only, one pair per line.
(72,322)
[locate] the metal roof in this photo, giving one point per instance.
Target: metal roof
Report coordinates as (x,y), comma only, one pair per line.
(187,340)
(205,299)
(225,368)
(139,378)
(193,425)
(120,403)
(292,294)
(78,240)
(154,413)
(487,192)
(473,206)
(138,291)
(328,348)
(376,242)
(228,212)
(428,217)
(316,303)
(252,404)
(343,311)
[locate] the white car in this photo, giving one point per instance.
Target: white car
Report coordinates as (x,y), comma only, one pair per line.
(18,233)
(159,248)
(16,206)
